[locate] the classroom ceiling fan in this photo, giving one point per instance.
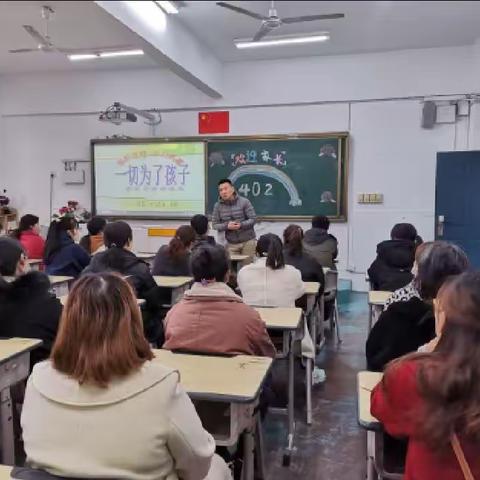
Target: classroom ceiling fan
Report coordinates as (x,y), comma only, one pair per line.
(45,43)
(273,21)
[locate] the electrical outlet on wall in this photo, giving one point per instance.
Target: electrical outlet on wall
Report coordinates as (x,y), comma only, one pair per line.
(376,198)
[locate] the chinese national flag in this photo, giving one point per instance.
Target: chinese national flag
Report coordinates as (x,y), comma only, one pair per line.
(214,122)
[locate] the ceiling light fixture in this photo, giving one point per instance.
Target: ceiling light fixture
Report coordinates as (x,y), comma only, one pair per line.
(168,7)
(286,40)
(93,56)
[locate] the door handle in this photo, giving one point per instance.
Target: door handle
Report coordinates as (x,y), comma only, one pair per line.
(440,225)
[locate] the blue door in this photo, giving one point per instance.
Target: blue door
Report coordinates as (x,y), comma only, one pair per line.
(457,202)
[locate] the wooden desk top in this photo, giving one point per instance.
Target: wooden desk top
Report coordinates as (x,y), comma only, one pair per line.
(280,318)
(231,379)
(63,300)
(172,282)
(56,279)
(366,381)
(5,472)
(236,257)
(34,261)
(11,347)
(378,297)
(145,256)
(311,288)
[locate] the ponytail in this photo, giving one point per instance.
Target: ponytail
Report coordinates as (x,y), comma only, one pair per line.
(292,237)
(184,236)
(270,245)
(53,242)
(26,223)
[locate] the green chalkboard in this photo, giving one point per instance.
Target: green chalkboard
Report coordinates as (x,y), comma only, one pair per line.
(283,176)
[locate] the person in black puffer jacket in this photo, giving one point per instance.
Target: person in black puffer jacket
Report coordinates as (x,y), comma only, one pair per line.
(405,326)
(119,258)
(27,308)
(392,269)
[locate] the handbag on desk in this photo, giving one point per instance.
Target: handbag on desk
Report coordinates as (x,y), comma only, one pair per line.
(457,448)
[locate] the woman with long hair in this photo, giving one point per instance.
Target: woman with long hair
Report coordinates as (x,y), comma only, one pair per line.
(434,398)
(62,255)
(104,406)
(406,326)
(174,259)
(28,234)
(269,281)
(295,255)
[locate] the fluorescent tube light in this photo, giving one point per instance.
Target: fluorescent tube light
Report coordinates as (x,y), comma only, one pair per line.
(82,56)
(277,41)
(168,7)
(120,53)
(94,56)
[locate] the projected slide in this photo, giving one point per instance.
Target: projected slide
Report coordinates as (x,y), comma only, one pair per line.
(149,180)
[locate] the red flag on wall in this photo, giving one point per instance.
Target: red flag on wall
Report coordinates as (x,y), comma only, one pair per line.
(214,122)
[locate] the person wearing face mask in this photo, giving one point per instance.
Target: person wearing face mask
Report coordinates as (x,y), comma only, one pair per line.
(27,308)
(62,255)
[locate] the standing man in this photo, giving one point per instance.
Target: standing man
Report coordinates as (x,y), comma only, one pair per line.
(235,216)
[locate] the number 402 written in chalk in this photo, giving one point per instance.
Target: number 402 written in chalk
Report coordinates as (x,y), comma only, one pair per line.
(256,189)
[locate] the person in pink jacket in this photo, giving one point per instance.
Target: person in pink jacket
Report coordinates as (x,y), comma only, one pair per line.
(28,234)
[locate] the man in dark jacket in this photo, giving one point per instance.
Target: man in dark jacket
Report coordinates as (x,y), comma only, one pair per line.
(320,244)
(391,269)
(27,308)
(235,216)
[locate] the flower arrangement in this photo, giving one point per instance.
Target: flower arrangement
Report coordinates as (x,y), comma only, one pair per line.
(4,201)
(75,210)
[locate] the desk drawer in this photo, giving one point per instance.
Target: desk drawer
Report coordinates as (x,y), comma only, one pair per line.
(224,421)
(14,370)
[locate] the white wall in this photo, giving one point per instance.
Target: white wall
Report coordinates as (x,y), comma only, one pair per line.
(390,153)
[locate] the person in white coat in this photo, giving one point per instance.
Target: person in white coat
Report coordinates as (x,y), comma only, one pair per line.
(103,407)
(269,281)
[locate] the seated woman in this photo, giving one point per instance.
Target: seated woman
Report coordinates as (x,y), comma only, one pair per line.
(118,257)
(28,234)
(93,242)
(391,269)
(138,423)
(27,308)
(62,255)
(269,281)
(295,255)
(200,224)
(211,318)
(174,259)
(405,326)
(432,398)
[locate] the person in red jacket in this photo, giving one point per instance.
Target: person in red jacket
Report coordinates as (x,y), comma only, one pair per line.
(28,234)
(434,398)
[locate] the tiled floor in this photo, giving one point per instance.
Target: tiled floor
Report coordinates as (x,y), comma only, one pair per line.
(333,448)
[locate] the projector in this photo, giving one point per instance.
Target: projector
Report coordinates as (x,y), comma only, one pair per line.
(117,117)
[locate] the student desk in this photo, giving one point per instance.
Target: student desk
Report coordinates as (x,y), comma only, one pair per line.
(366,381)
(237,259)
(288,321)
(63,300)
(376,304)
(231,385)
(14,367)
(146,257)
(5,472)
(34,264)
(178,285)
(60,284)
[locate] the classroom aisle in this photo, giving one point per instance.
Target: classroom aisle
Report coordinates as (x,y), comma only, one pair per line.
(333,447)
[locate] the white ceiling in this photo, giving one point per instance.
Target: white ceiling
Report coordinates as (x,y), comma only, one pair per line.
(77,24)
(368,27)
